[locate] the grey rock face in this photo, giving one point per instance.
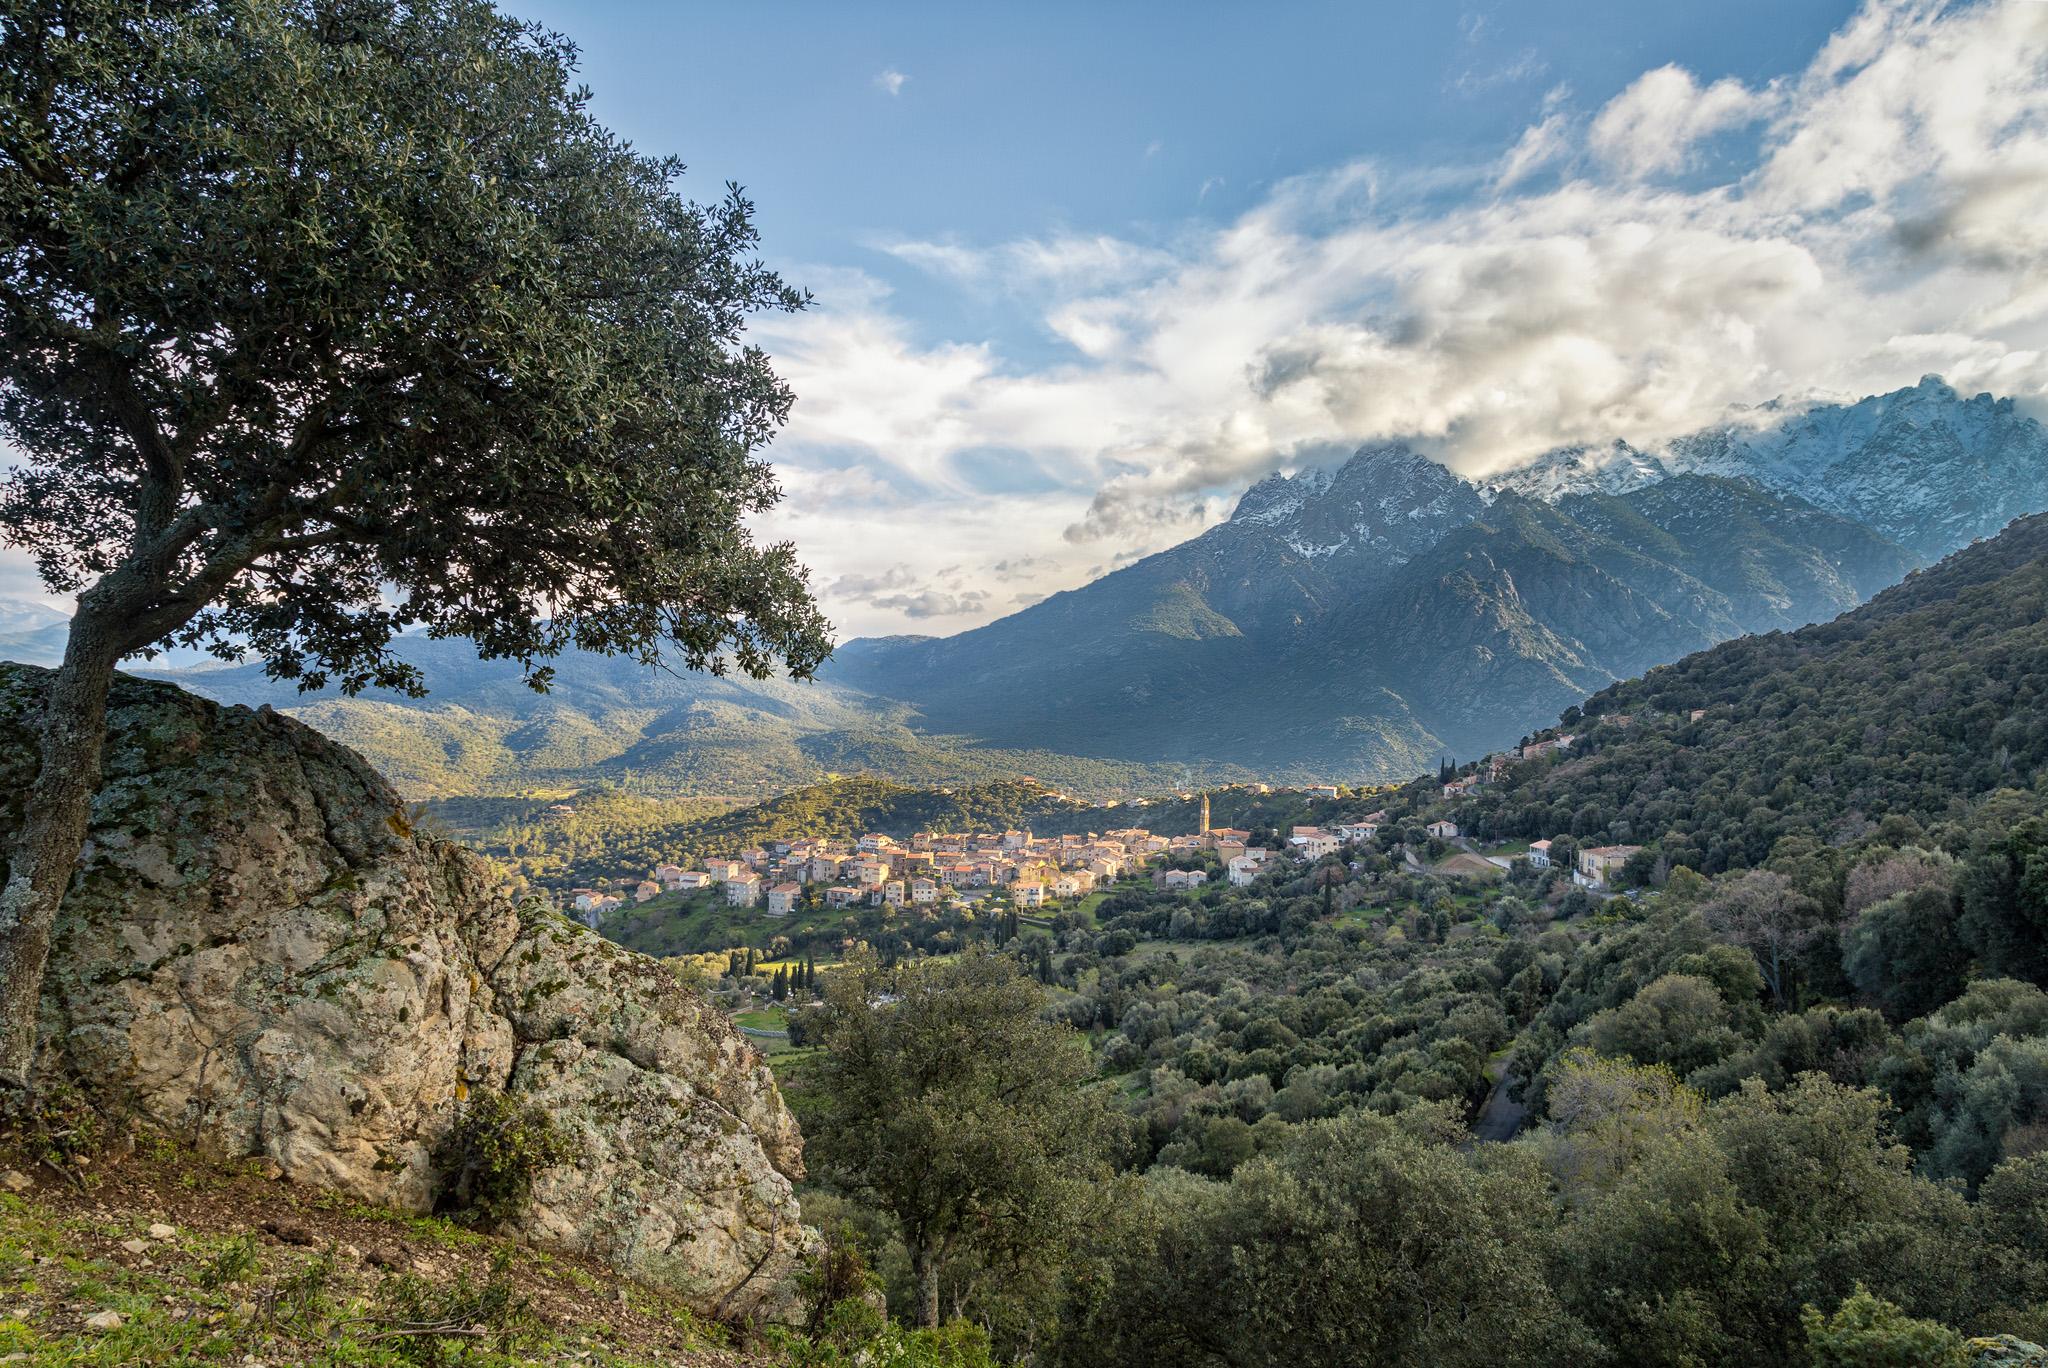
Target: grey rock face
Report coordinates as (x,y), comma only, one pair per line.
(260,954)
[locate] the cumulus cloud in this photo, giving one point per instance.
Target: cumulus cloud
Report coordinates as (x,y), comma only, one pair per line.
(891,81)
(1886,220)
(1654,125)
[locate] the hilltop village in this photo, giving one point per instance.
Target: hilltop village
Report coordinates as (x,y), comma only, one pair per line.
(934,869)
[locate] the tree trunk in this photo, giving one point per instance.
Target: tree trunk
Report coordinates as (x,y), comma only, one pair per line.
(46,848)
(924,1267)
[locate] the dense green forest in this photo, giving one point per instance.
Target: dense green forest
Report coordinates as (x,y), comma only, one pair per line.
(1911,709)
(1783,1100)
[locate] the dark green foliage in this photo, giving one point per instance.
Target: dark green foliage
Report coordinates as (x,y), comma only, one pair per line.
(331,323)
(1906,954)
(491,1156)
(961,1113)
(2005,903)
(1926,699)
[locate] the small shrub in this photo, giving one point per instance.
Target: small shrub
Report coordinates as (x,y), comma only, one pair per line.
(301,1297)
(235,1261)
(493,1154)
(433,1326)
(56,1126)
(855,1334)
(836,1276)
(1869,1332)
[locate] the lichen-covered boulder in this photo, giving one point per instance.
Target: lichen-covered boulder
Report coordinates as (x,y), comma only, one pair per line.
(260,954)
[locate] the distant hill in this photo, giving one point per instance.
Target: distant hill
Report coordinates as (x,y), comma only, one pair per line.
(612,721)
(30,632)
(1910,709)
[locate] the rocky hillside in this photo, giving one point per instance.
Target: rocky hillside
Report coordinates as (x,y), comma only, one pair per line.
(260,955)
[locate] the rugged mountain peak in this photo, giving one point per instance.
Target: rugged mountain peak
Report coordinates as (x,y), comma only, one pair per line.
(1923,465)
(1611,468)
(1385,503)
(1270,500)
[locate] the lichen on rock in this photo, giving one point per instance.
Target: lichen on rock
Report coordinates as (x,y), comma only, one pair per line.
(260,954)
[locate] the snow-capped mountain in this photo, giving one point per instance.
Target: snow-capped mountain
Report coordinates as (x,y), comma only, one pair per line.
(1925,466)
(1612,469)
(1384,505)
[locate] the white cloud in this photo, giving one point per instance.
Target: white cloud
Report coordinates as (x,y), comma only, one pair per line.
(1542,143)
(891,81)
(1889,223)
(1653,126)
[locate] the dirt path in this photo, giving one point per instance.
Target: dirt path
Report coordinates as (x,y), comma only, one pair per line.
(1501,1118)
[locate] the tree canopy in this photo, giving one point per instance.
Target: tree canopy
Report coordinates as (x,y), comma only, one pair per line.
(321,320)
(324,320)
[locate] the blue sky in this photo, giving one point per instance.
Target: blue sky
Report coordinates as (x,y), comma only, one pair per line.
(1084,272)
(1131,119)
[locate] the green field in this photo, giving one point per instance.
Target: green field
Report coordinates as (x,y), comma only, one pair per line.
(701,923)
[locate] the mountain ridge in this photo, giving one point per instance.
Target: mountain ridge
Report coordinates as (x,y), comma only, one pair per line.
(1347,622)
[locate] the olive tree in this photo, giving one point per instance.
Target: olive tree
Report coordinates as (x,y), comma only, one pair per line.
(321,320)
(951,1102)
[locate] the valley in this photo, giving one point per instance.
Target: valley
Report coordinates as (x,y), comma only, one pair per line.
(1137,686)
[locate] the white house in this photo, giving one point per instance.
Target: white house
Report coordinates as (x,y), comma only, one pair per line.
(743,890)
(1539,854)
(1444,831)
(1243,870)
(1597,864)
(1311,843)
(782,898)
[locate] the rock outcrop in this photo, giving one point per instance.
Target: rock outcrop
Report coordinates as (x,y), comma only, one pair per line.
(261,954)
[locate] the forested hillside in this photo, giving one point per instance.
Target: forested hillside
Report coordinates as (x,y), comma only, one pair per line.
(1778,1095)
(1910,709)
